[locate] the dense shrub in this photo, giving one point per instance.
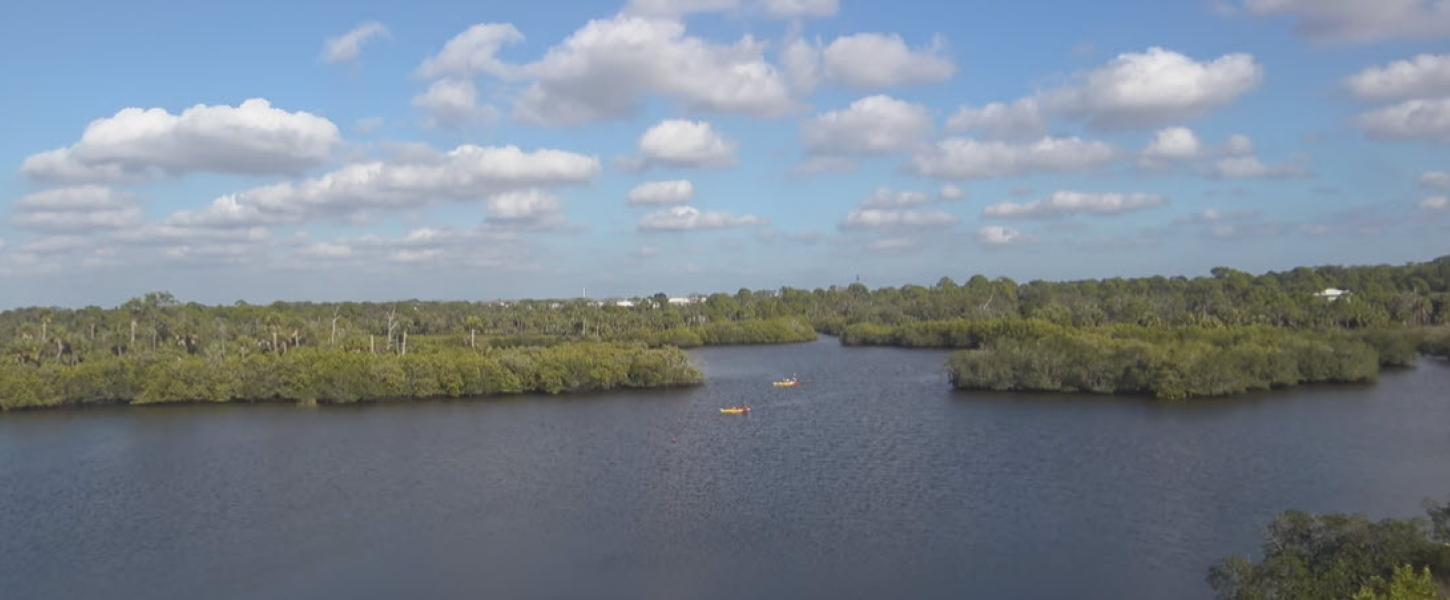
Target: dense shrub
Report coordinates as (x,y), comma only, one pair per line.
(337,377)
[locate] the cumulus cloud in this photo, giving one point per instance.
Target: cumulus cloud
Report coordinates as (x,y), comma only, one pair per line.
(1171,145)
(1422,76)
(77,209)
(872,125)
(1068,203)
(681,143)
(801,61)
(1436,180)
(1360,21)
(530,208)
(251,139)
(678,191)
(997,235)
(1417,119)
(1156,87)
(473,52)
(962,158)
(1019,120)
(1439,203)
(347,47)
(453,103)
(609,67)
(689,218)
(466,173)
(880,60)
(951,192)
(326,251)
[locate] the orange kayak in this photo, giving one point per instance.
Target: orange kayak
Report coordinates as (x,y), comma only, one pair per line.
(735,410)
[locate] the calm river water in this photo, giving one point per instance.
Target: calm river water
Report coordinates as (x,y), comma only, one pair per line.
(874,480)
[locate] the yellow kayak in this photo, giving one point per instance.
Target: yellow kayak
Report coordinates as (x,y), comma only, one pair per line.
(787,383)
(735,410)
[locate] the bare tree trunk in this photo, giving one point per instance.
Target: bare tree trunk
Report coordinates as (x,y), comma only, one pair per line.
(372,344)
(44,326)
(405,342)
(473,338)
(133,336)
(391,315)
(59,348)
(332,341)
(274,341)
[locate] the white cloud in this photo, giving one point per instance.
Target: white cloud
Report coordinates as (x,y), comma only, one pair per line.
(680,143)
(879,60)
(608,68)
(1435,179)
(677,191)
(1435,203)
(250,139)
(525,208)
(883,218)
(1360,20)
(788,9)
(348,46)
(453,103)
(1171,145)
(997,235)
(802,63)
(1022,119)
(77,209)
(1409,120)
(466,173)
(951,192)
(1156,87)
(1067,203)
(871,125)
(1422,76)
(961,158)
(689,218)
(472,52)
(1250,167)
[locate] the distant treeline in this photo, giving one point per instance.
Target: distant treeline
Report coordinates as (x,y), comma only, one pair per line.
(1412,295)
(1166,362)
(310,375)
(1037,335)
(1310,557)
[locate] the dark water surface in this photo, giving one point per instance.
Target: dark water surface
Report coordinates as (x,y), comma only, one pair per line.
(874,480)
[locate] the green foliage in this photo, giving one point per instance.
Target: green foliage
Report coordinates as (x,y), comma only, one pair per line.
(1404,584)
(311,376)
(1335,556)
(1169,363)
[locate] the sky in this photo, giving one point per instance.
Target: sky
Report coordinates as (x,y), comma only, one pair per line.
(267,151)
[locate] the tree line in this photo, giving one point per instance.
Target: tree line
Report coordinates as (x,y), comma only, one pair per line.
(317,376)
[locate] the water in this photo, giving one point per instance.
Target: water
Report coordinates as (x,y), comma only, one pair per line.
(873,480)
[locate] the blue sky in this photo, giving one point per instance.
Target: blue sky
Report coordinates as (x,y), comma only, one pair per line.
(480,150)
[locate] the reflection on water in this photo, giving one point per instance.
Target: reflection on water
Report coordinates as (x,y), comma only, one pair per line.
(873,479)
